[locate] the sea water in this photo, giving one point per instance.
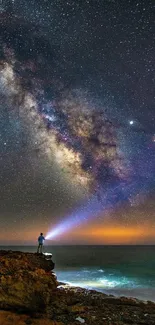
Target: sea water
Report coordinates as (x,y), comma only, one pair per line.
(118,270)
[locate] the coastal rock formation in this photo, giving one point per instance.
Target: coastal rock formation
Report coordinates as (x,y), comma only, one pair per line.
(30,294)
(26,281)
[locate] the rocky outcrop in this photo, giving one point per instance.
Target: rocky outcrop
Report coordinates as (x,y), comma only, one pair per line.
(30,294)
(26,281)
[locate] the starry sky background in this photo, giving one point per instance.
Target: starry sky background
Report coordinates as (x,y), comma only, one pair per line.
(93,54)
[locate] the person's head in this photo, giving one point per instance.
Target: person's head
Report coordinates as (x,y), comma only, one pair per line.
(41,234)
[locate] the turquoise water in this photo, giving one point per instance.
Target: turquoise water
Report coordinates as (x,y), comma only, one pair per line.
(118,270)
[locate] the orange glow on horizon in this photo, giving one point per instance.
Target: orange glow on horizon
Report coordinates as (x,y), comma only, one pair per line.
(89,234)
(115,235)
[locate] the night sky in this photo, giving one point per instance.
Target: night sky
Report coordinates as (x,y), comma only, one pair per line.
(77,121)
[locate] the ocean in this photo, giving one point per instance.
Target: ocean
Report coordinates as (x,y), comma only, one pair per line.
(118,270)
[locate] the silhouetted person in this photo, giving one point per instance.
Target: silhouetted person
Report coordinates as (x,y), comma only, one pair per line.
(40,243)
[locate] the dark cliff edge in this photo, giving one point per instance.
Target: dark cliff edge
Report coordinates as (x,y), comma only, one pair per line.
(30,294)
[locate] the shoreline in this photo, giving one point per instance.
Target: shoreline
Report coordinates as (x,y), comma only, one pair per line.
(107,293)
(117,293)
(75,305)
(31,295)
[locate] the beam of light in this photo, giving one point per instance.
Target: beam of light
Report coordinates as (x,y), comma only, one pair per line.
(92,208)
(81,214)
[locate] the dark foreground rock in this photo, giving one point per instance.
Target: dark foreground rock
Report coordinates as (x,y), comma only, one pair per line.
(26,281)
(30,294)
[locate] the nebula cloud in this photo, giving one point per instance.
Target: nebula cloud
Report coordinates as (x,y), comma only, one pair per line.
(64,125)
(82,140)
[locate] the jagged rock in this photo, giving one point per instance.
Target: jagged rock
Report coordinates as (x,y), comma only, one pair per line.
(26,281)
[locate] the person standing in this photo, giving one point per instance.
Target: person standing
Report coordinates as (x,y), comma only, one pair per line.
(40,243)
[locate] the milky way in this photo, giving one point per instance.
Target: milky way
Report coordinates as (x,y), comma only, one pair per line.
(82,139)
(91,140)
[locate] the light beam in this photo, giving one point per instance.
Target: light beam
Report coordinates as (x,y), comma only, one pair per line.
(90,210)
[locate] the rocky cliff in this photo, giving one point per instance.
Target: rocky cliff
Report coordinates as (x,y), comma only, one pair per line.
(26,281)
(30,294)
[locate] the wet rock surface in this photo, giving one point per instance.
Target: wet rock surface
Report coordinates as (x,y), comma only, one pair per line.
(97,308)
(30,294)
